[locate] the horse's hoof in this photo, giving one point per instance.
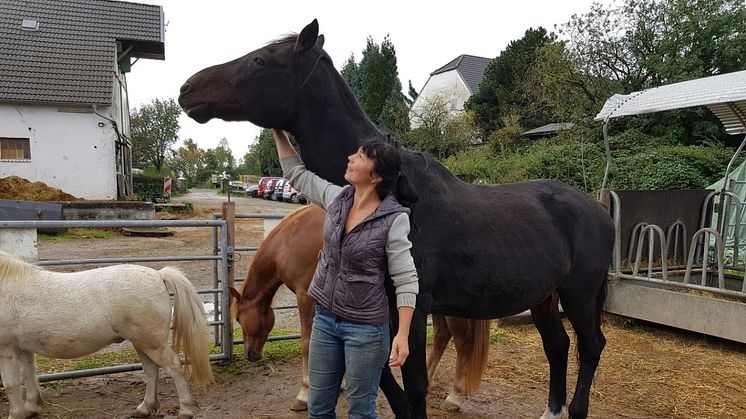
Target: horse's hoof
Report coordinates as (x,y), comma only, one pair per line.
(452,403)
(451,406)
(549,415)
(141,412)
(299,406)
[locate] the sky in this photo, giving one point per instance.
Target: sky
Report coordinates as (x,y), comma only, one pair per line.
(425,34)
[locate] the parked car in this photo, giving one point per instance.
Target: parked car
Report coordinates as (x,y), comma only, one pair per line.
(291,195)
(252,191)
(270,188)
(279,188)
(262,185)
(238,186)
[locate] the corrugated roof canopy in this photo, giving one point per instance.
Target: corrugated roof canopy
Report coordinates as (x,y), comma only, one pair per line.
(724,94)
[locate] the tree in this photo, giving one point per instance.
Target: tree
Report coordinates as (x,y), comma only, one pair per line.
(412,93)
(375,83)
(501,92)
(220,159)
(154,128)
(439,133)
(188,160)
(261,159)
(352,76)
(555,88)
(646,43)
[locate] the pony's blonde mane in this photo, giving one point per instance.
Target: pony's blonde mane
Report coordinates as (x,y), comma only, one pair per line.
(12,268)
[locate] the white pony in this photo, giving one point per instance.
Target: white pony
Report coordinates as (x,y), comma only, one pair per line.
(68,315)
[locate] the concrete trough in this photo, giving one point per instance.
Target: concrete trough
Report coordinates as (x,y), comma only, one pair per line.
(658,304)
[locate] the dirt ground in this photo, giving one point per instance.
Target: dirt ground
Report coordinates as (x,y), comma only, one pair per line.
(646,371)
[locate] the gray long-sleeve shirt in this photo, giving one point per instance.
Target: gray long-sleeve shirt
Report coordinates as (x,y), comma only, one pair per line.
(323,193)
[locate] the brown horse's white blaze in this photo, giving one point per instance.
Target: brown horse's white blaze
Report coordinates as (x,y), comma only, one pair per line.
(285,257)
(35,302)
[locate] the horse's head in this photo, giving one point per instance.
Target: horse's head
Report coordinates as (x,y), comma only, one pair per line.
(256,321)
(260,87)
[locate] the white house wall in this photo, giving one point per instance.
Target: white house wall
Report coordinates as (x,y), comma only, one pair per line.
(71,148)
(450,86)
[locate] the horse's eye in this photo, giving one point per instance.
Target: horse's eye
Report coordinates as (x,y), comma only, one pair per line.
(258,60)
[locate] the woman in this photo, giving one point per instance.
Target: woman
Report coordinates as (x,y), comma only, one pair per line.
(365,237)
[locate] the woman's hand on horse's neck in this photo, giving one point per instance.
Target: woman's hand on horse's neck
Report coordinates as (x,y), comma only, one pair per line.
(365,201)
(282,142)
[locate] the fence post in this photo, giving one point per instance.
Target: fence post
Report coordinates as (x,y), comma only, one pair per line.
(228,212)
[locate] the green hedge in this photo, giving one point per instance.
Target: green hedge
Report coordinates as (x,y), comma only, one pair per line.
(639,161)
(148,187)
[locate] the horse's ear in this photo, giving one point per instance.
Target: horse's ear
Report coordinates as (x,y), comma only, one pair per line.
(308,36)
(236,295)
(320,42)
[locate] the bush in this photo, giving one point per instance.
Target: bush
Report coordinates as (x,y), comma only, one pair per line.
(147,187)
(639,161)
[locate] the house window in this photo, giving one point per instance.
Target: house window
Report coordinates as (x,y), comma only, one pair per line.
(15,149)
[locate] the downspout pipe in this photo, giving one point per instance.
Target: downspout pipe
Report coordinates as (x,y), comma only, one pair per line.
(120,138)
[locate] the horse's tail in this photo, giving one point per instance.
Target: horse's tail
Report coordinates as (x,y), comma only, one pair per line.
(477,359)
(189,325)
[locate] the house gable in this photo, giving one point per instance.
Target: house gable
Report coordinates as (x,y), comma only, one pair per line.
(452,84)
(66,52)
(469,67)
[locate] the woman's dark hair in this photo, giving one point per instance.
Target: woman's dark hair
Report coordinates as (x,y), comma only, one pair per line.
(385,155)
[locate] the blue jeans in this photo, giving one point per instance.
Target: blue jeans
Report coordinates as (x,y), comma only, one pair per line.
(353,350)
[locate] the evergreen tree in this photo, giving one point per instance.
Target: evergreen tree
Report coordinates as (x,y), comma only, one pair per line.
(501,92)
(375,83)
(352,76)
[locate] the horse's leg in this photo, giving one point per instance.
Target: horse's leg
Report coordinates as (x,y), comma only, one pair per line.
(463,339)
(149,404)
(33,393)
(307,311)
(10,371)
(441,337)
(394,394)
(585,316)
(169,361)
(556,346)
(414,370)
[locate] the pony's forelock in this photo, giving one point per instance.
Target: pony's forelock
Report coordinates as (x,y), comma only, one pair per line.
(13,268)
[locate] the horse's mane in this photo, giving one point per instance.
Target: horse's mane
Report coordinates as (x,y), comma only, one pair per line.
(12,268)
(284,39)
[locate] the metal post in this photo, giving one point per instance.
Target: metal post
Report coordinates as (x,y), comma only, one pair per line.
(228,214)
(608,152)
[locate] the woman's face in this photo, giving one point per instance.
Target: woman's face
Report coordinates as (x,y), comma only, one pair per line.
(360,169)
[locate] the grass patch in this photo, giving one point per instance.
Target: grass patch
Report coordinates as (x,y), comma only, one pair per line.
(80,233)
(46,365)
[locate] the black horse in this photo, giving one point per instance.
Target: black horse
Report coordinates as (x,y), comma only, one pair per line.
(481,251)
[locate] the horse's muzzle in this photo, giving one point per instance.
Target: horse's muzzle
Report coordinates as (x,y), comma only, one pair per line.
(252,354)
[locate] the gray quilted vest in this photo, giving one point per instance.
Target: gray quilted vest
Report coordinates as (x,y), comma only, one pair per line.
(351,270)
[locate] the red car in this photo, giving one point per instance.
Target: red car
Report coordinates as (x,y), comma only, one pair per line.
(262,185)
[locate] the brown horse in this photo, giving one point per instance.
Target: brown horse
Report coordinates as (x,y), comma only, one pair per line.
(288,255)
